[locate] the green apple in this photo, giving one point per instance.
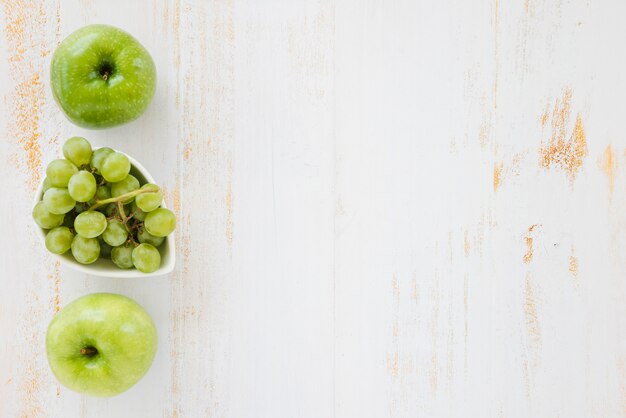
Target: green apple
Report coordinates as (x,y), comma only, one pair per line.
(101,77)
(101,344)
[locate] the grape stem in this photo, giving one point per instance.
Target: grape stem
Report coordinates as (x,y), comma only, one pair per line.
(120,209)
(122,197)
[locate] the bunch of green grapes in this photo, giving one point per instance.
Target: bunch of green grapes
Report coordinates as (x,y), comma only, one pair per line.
(93,207)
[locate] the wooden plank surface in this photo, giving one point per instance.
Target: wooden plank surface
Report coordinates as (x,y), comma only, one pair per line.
(386,209)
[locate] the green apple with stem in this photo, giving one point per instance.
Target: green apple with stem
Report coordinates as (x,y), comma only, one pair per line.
(101,344)
(102,77)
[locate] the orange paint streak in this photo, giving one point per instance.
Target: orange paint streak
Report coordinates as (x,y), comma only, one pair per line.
(528,239)
(393,365)
(182,237)
(545,116)
(532,345)
(450,369)
(533,328)
(173,200)
(27,41)
(28,100)
(204,100)
(176,205)
(580,138)
(83,407)
(497,175)
(57,24)
(55,278)
(339,209)
(573,265)
(176,21)
(608,164)
(393,359)
(526,375)
(516,164)
(565,151)
(483,133)
(166,17)
(187,151)
(178,295)
(528,256)
(31,373)
(434,372)
(395,287)
(25,32)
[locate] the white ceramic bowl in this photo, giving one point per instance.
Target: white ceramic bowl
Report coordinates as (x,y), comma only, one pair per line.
(105,267)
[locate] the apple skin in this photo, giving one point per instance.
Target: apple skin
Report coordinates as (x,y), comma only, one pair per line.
(117,327)
(102,77)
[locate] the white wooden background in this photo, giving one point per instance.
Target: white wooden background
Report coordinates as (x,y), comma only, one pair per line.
(387,208)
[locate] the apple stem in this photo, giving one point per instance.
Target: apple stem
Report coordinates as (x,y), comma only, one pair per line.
(105,76)
(88,351)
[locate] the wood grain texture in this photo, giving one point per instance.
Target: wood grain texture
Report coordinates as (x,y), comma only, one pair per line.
(386,209)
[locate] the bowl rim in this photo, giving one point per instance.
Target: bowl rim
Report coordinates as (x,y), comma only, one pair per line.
(114,272)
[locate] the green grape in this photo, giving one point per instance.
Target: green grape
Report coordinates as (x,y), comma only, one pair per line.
(46,184)
(85,250)
(137,213)
(77,150)
(115,167)
(58,200)
(100,181)
(148,202)
(115,234)
(59,172)
(110,210)
(69,218)
(90,224)
(146,258)
(82,186)
(44,218)
(122,257)
(103,192)
(81,207)
(160,222)
(145,236)
(105,249)
(98,156)
(59,239)
(127,185)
